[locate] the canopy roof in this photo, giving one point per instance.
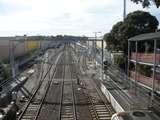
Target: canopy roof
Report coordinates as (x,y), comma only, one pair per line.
(147,36)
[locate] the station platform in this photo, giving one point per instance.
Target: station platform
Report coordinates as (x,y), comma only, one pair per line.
(124,95)
(121,93)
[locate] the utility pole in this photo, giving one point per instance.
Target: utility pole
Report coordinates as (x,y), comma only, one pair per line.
(11,53)
(94,47)
(124,9)
(102,57)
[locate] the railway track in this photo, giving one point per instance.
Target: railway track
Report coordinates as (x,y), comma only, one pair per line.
(99,107)
(32,109)
(18,77)
(62,104)
(129,102)
(67,101)
(10,80)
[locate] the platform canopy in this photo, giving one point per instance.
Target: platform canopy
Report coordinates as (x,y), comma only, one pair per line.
(147,36)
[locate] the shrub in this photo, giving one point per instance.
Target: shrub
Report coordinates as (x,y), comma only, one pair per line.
(119,60)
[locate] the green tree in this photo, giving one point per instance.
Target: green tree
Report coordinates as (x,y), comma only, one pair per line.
(112,38)
(6,71)
(120,61)
(135,23)
(147,3)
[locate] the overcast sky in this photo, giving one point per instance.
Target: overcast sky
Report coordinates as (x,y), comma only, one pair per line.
(71,17)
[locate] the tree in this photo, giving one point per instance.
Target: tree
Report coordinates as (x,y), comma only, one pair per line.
(147,3)
(135,23)
(142,22)
(120,61)
(112,37)
(6,71)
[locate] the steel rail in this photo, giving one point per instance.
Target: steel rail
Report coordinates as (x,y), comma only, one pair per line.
(61,97)
(45,94)
(119,90)
(42,70)
(73,94)
(4,82)
(7,81)
(93,110)
(92,104)
(100,95)
(34,94)
(73,108)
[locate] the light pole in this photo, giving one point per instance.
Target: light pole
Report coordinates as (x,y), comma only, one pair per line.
(12,47)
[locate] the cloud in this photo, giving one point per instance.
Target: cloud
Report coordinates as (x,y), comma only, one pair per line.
(10,8)
(77,17)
